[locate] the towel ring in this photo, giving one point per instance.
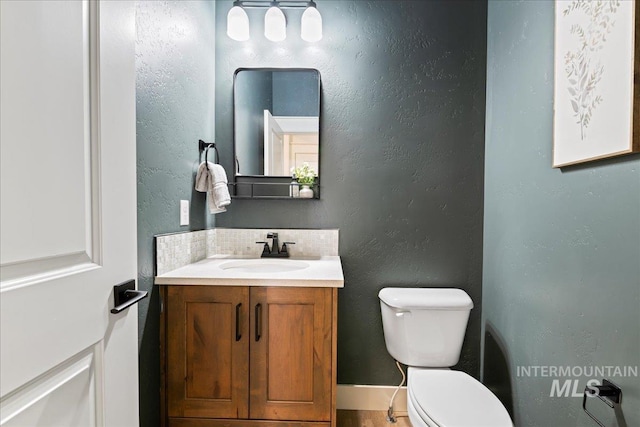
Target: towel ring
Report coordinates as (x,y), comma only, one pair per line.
(205,146)
(206,153)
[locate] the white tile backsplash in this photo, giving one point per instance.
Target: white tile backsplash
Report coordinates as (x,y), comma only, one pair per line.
(211,242)
(180,249)
(308,243)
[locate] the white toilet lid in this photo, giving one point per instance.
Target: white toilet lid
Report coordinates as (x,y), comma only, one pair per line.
(455,399)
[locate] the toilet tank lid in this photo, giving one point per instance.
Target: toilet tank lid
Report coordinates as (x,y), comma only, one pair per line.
(426,298)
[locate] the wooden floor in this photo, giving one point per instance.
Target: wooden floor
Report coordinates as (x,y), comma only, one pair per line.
(369,419)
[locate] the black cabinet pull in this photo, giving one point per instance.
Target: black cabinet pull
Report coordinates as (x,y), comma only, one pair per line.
(258,320)
(238,334)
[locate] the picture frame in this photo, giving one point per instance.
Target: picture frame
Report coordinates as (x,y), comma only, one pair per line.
(596,94)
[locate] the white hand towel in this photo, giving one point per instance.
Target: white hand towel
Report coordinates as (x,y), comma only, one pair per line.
(212,179)
(220,189)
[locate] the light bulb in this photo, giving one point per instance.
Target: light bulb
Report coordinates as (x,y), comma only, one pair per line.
(311,26)
(238,24)
(275,25)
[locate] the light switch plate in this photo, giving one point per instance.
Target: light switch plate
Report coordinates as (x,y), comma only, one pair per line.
(184,212)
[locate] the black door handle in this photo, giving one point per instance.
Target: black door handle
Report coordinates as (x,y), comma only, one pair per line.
(238,334)
(258,315)
(125,295)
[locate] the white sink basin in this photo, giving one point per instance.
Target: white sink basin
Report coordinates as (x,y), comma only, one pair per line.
(226,270)
(264,265)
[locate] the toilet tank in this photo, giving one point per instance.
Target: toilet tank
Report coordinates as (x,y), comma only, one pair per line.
(425,327)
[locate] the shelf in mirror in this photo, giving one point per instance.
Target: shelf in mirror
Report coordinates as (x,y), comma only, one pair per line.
(274,190)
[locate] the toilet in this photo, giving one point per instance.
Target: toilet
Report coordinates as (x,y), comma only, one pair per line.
(424,329)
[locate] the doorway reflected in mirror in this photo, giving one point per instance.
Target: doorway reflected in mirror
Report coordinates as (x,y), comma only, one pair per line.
(289,142)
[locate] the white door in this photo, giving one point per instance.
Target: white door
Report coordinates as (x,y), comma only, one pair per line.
(273,146)
(68,208)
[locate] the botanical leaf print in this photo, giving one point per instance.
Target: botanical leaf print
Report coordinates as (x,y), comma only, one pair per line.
(582,68)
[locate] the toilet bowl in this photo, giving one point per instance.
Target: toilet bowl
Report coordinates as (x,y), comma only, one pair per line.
(424,329)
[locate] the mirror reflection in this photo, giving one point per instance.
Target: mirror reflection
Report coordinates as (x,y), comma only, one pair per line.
(276,121)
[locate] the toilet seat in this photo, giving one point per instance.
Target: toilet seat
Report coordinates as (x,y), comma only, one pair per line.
(447,398)
(417,417)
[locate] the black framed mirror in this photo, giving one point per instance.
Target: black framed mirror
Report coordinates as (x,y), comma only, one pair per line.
(276,126)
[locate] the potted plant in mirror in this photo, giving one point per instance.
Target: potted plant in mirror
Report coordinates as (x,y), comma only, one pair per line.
(306,177)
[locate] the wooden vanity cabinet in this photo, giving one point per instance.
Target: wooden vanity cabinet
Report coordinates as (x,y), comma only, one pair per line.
(245,356)
(206,365)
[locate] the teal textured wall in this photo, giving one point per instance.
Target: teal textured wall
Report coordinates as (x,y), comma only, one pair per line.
(402,143)
(175,68)
(561,273)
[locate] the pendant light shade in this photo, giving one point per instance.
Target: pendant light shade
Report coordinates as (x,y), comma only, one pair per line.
(311,25)
(238,24)
(275,25)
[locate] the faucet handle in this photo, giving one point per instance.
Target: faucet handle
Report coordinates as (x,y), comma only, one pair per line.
(284,247)
(265,249)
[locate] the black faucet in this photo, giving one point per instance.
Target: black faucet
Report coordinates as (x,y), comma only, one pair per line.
(275,251)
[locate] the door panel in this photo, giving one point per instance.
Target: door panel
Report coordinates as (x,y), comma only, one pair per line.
(48,400)
(68,219)
(46,67)
(290,377)
(209,349)
(207,357)
(290,373)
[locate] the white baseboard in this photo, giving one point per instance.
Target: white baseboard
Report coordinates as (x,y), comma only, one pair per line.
(371,398)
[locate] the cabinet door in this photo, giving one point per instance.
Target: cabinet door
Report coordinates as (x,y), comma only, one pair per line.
(207,351)
(291,377)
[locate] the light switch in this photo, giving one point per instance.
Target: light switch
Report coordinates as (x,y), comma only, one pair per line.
(184,212)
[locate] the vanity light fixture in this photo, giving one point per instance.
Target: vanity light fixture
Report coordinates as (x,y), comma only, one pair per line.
(238,24)
(275,22)
(311,25)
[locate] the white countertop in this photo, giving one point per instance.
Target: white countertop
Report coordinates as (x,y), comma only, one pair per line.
(325,272)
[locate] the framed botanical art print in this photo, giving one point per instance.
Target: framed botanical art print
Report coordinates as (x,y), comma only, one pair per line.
(595,96)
